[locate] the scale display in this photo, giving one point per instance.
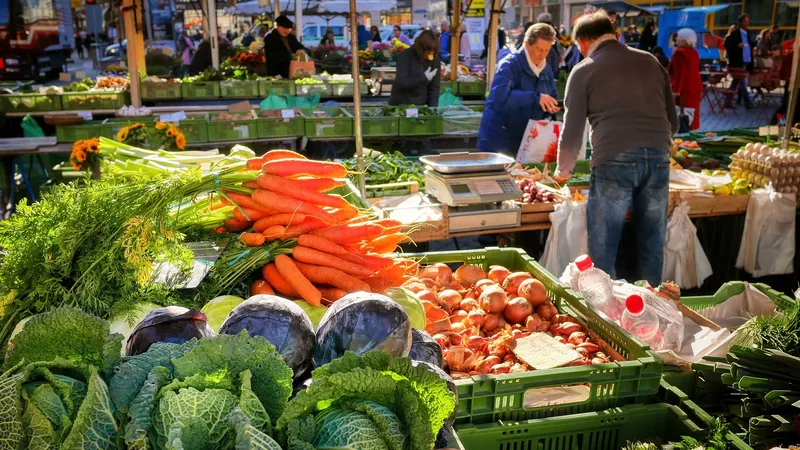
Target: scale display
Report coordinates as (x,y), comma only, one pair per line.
(468,189)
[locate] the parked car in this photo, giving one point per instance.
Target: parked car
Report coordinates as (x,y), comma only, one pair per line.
(412,31)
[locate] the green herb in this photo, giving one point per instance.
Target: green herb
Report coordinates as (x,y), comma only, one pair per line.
(391,167)
(781,332)
(640,446)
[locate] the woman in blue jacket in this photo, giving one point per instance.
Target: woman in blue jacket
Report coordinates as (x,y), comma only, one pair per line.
(521,90)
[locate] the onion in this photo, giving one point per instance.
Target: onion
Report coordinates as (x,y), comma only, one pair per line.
(533,291)
(476,318)
(469,274)
(493,299)
(547,311)
(498,274)
(450,298)
(490,322)
(415,286)
(428,295)
(468,304)
(517,310)
(481,286)
(512,281)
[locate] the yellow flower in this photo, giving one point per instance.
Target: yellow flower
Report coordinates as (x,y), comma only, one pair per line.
(122,134)
(161,125)
(135,126)
(180,141)
(171,131)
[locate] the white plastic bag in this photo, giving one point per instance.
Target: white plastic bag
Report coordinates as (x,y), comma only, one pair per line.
(669,316)
(768,241)
(539,136)
(568,236)
(685,262)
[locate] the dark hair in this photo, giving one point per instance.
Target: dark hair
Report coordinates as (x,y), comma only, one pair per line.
(593,26)
(742,17)
(657,50)
(426,42)
(397,27)
(373,28)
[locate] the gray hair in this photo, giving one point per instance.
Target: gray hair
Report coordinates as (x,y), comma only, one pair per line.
(688,36)
(540,31)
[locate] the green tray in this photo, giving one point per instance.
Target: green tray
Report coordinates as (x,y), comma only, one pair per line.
(29,102)
(490,398)
(733,288)
(346,89)
(341,125)
(110,127)
(421,126)
(199,90)
(72,133)
(93,100)
(323,89)
(277,87)
(161,90)
(278,127)
(471,87)
(460,120)
(239,88)
(378,126)
(445,85)
(195,128)
(232,130)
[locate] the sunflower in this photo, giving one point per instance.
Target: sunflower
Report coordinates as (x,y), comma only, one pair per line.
(180,141)
(161,125)
(79,155)
(171,131)
(122,134)
(135,126)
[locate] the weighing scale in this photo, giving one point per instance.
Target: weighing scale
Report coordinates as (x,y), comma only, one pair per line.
(477,188)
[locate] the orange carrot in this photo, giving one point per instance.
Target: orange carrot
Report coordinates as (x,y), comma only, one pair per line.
(284,204)
(275,279)
(321,244)
(253,214)
(318,184)
(250,185)
(357,219)
(307,226)
(274,232)
(261,287)
(277,219)
(234,226)
(343,215)
(255,163)
(252,239)
(333,277)
(354,248)
(387,243)
(341,234)
(299,282)
(297,168)
(272,155)
(379,284)
(246,201)
(393,273)
(316,257)
(288,188)
(332,293)
(391,225)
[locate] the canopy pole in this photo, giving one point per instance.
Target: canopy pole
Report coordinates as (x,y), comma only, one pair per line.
(135,38)
(276,10)
(213,36)
(298,16)
(357,98)
(790,109)
(455,39)
(491,52)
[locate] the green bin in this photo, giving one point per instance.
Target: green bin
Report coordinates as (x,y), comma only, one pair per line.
(277,87)
(195,128)
(279,127)
(471,87)
(323,89)
(29,102)
(448,84)
(239,88)
(378,126)
(111,126)
(346,89)
(422,126)
(232,130)
(160,90)
(338,124)
(89,100)
(200,90)
(72,133)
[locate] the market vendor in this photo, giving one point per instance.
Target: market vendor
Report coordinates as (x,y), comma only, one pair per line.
(417,78)
(521,90)
(280,46)
(632,121)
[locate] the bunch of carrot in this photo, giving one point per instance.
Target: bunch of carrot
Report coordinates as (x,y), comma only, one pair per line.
(338,251)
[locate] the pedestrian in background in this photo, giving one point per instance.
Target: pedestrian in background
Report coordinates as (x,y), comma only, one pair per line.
(648,38)
(740,55)
(186,49)
(79,45)
(376,34)
(684,74)
(400,36)
(417,77)
(764,50)
(464,49)
(658,52)
(444,41)
(632,122)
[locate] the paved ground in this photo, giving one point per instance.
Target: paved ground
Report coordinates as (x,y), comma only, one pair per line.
(760,115)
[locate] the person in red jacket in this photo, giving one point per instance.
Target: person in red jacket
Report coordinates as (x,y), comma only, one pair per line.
(684,74)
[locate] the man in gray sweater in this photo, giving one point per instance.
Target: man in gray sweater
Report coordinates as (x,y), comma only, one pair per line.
(626,96)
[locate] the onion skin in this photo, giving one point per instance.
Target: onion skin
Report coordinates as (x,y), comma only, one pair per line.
(450,298)
(493,300)
(533,290)
(476,318)
(490,322)
(513,281)
(517,310)
(498,274)
(468,304)
(481,286)
(469,274)
(547,311)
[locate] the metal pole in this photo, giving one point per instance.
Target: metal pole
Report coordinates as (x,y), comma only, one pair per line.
(455,39)
(492,50)
(213,36)
(298,15)
(790,109)
(357,98)
(276,10)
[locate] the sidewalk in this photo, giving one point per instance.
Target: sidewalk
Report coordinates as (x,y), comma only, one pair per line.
(759,116)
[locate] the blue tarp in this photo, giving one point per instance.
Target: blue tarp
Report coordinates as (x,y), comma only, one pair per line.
(706,9)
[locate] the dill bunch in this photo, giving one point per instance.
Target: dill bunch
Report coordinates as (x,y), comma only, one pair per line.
(781,332)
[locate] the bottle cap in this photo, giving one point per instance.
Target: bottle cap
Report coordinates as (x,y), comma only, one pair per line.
(584,263)
(634,304)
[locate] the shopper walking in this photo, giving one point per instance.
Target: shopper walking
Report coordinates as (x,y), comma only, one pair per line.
(764,50)
(79,45)
(632,121)
(684,74)
(740,55)
(522,89)
(186,49)
(400,36)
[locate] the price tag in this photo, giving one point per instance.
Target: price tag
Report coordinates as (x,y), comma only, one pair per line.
(243,130)
(80,75)
(412,112)
(86,115)
(287,113)
(64,76)
(175,117)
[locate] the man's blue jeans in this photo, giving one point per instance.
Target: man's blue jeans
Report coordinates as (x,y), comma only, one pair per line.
(637,180)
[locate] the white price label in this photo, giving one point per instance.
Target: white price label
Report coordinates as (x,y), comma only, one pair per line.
(86,115)
(412,112)
(287,113)
(243,130)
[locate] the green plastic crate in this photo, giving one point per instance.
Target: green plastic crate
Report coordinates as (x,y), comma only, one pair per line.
(29,102)
(160,90)
(378,126)
(199,90)
(460,120)
(111,126)
(93,100)
(277,87)
(346,89)
(340,125)
(72,133)
(421,126)
(610,429)
(194,128)
(323,89)
(239,88)
(444,85)
(732,288)
(471,87)
(278,127)
(232,130)
(490,398)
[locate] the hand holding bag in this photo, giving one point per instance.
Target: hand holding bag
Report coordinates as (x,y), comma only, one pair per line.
(301,67)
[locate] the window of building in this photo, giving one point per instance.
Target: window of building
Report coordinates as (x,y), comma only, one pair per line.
(786,15)
(760,12)
(728,16)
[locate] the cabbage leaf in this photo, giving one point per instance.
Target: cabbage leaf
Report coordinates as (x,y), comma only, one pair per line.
(95,426)
(12,432)
(197,418)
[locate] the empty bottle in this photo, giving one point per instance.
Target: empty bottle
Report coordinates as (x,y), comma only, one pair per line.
(642,321)
(595,286)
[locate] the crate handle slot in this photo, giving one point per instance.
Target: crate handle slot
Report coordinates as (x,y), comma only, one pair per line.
(556,395)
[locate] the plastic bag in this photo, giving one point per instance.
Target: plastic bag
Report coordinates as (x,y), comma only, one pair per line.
(685,262)
(669,316)
(448,99)
(30,127)
(274,102)
(568,236)
(768,241)
(299,101)
(539,142)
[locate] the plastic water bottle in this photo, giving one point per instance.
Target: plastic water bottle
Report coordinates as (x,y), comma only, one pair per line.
(642,322)
(595,285)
